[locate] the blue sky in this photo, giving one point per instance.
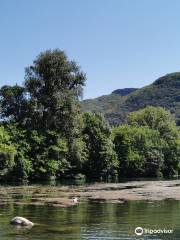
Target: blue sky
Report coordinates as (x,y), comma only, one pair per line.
(118,43)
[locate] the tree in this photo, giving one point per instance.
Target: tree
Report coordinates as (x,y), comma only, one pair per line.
(156,118)
(46,113)
(102,159)
(139,151)
(48,155)
(13,104)
(161,120)
(7,154)
(22,163)
(49,99)
(54,85)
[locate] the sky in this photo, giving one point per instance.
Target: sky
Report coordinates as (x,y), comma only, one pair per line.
(117,43)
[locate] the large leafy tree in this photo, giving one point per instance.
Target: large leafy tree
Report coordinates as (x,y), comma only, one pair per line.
(159,119)
(156,118)
(139,151)
(49,155)
(49,97)
(46,111)
(54,84)
(102,160)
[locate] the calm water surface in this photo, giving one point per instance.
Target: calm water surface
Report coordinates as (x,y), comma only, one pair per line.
(92,220)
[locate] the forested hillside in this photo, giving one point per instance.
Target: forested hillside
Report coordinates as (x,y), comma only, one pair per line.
(164,92)
(107,103)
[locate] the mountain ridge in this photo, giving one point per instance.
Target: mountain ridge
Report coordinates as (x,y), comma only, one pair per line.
(164,92)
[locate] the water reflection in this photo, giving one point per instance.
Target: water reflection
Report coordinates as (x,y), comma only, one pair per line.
(92,220)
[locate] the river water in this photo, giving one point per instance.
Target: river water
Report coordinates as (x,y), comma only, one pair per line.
(93,220)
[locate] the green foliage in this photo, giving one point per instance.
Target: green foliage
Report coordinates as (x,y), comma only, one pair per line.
(102,160)
(155,118)
(13,103)
(149,145)
(139,151)
(7,154)
(104,104)
(48,154)
(42,117)
(161,120)
(22,163)
(54,85)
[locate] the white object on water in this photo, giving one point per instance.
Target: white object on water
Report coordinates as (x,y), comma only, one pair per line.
(21,222)
(75,200)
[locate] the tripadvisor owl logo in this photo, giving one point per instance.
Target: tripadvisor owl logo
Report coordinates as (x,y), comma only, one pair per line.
(139,231)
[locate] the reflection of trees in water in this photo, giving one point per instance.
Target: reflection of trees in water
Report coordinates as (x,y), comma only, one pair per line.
(93,219)
(117,219)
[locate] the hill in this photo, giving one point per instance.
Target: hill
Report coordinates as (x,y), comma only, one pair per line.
(165,92)
(124,91)
(107,103)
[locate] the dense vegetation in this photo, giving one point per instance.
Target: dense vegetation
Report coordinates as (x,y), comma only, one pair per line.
(103,104)
(106,103)
(44,135)
(164,92)
(149,144)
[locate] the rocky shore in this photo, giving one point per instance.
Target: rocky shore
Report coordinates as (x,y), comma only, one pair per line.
(62,196)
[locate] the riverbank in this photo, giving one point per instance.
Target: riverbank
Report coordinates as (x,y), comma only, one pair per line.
(61,196)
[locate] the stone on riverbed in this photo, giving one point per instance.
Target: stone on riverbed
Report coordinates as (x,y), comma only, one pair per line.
(21,222)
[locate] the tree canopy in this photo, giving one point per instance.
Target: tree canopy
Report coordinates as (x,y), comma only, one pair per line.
(149,145)
(102,159)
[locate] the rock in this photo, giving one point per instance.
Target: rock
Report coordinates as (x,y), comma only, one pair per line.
(21,222)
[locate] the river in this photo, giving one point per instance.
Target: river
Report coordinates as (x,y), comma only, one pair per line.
(90,219)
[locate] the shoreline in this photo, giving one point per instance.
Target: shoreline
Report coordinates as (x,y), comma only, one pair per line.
(61,196)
